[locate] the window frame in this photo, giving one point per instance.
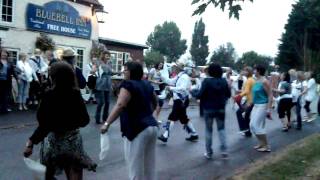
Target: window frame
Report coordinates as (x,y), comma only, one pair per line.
(17,51)
(13,13)
(75,49)
(79,62)
(120,59)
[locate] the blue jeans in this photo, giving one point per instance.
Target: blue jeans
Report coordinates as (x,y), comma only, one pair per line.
(219,115)
(23,91)
(102,98)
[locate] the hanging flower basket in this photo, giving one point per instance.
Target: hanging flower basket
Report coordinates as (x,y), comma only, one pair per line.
(97,49)
(44,42)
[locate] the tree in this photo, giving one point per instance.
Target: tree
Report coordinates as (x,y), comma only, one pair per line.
(252,58)
(233,6)
(225,55)
(166,39)
(199,47)
(153,57)
(300,43)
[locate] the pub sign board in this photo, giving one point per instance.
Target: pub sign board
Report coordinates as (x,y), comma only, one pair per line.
(58,18)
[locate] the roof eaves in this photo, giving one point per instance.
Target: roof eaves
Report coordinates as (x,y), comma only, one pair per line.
(124,42)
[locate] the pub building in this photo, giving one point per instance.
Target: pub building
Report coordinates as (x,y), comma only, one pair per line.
(70,23)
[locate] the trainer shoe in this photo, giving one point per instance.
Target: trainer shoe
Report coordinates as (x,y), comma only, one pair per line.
(192,138)
(163,139)
(224,155)
(208,155)
(311,119)
(248,134)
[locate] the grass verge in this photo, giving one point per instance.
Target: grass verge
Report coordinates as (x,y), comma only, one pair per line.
(298,161)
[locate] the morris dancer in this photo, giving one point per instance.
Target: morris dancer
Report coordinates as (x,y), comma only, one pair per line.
(180,86)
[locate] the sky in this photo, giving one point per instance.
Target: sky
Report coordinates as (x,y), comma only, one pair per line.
(259,28)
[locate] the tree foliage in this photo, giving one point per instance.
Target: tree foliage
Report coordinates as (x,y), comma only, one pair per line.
(153,57)
(166,39)
(199,47)
(234,6)
(252,59)
(225,55)
(300,44)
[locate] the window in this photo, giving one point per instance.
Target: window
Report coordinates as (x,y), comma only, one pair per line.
(117,60)
(7,10)
(13,56)
(119,55)
(126,57)
(113,59)
(80,58)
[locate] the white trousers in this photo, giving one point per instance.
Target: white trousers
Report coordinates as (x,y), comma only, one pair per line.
(258,119)
(140,155)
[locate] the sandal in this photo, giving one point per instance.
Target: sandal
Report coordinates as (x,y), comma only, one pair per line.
(264,149)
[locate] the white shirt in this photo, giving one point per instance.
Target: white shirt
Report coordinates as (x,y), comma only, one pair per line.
(181,83)
(87,71)
(43,66)
(296,89)
(27,72)
(155,76)
(312,90)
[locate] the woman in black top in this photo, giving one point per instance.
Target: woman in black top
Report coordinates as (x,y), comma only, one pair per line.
(135,105)
(60,115)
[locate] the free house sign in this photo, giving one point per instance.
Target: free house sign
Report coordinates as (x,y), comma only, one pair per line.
(58,18)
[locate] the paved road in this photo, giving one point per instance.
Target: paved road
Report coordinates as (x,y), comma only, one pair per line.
(176,160)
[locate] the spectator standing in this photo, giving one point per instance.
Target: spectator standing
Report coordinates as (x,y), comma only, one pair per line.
(50,58)
(7,71)
(70,57)
(103,86)
(26,76)
(91,75)
(40,67)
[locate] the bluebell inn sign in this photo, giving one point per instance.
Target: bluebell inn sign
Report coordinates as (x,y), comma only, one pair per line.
(58,18)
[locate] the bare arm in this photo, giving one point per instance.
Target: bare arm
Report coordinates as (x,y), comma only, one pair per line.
(123,99)
(279,90)
(268,90)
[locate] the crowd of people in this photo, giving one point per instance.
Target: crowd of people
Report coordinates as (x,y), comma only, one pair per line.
(24,82)
(139,102)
